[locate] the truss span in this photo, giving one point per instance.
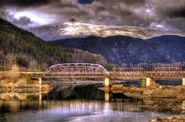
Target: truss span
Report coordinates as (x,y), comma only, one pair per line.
(76,70)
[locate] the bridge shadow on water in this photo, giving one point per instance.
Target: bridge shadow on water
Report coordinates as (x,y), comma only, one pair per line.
(88,92)
(118,100)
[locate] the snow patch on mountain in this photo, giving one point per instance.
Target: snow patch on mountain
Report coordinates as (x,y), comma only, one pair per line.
(77,29)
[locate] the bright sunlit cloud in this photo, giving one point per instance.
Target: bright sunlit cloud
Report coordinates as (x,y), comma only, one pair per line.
(36,17)
(161,25)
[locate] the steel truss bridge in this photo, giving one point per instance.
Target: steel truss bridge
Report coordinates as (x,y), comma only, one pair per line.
(76,71)
(85,71)
(96,71)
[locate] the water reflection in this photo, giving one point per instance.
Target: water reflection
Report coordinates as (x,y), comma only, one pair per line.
(107,96)
(74,110)
(75,104)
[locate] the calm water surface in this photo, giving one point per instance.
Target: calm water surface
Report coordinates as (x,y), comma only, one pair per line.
(74,105)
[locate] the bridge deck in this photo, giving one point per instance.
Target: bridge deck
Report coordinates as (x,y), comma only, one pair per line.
(131,75)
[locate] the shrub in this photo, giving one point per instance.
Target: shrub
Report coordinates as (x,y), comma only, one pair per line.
(21,62)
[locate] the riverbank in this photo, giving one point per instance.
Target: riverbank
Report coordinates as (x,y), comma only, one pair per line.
(180,118)
(177,92)
(162,99)
(23,86)
(168,99)
(21,89)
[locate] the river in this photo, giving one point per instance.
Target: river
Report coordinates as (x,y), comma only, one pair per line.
(75,104)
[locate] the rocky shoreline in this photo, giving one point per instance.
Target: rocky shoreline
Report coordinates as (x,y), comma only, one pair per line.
(31,88)
(177,92)
(170,99)
(21,89)
(21,85)
(180,118)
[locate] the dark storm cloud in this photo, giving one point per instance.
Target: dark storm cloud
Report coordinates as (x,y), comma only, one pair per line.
(133,2)
(178,12)
(155,13)
(171,8)
(24,21)
(23,2)
(85,1)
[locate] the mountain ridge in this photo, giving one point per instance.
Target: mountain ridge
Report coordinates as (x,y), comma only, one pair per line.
(127,50)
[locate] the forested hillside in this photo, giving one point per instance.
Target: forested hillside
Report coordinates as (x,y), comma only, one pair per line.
(20,47)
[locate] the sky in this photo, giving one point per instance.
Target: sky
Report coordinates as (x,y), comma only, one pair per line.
(165,14)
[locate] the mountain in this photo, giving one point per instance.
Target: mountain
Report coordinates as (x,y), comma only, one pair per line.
(127,50)
(76,29)
(25,49)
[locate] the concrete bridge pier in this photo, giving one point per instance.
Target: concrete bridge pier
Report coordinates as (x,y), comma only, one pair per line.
(40,84)
(148,82)
(40,89)
(107,82)
(183,81)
